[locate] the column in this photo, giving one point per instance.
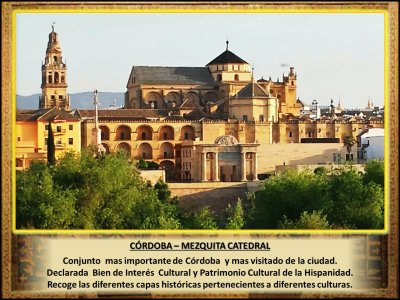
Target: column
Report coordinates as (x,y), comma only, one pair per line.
(243,166)
(255,162)
(204,167)
(216,175)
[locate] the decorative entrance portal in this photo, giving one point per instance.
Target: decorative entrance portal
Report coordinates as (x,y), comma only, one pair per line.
(225,160)
(229,164)
(229,173)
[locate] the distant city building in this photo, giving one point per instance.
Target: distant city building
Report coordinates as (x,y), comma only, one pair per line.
(371,144)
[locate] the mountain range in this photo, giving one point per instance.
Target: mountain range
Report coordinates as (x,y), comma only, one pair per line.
(78,100)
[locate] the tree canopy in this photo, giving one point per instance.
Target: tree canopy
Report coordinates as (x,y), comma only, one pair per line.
(84,192)
(336,198)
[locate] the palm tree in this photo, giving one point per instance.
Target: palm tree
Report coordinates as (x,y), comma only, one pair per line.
(349,142)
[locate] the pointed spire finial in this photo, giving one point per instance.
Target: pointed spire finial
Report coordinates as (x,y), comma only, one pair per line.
(227,43)
(252,81)
(52,26)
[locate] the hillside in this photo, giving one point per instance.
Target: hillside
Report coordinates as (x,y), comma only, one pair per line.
(78,100)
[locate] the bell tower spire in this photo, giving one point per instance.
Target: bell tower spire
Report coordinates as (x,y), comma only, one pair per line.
(54,76)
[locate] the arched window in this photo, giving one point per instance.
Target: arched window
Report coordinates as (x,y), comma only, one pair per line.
(144,151)
(56,77)
(55,58)
(236,77)
(105,133)
(187,133)
(62,79)
(106,147)
(166,133)
(124,147)
(219,77)
(166,151)
(50,79)
(123,133)
(144,132)
(154,100)
(169,168)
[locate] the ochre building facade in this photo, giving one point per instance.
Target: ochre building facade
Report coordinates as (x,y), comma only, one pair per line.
(32,133)
(177,117)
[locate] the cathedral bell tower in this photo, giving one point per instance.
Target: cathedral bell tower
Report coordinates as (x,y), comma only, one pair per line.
(54,77)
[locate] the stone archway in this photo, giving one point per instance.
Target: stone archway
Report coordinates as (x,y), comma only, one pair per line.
(166,150)
(106,147)
(123,133)
(187,133)
(210,97)
(166,133)
(153,100)
(145,151)
(144,133)
(169,168)
(193,97)
(105,133)
(124,147)
(173,99)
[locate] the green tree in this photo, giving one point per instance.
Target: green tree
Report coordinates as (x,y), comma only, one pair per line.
(340,194)
(352,203)
(234,216)
(142,164)
(289,193)
(374,172)
(314,220)
(320,171)
(201,219)
(163,192)
(152,165)
(51,148)
(147,165)
(40,203)
(106,193)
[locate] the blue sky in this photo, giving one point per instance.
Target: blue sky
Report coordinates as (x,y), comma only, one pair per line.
(338,55)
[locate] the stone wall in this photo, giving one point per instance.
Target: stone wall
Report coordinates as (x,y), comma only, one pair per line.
(152,175)
(280,169)
(216,195)
(271,155)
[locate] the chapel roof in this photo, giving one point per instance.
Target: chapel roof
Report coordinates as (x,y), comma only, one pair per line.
(173,75)
(227,57)
(252,90)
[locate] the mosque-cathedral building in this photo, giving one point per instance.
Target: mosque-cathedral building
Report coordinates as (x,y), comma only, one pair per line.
(211,123)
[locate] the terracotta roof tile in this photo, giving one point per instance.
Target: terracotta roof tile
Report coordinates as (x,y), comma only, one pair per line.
(45,115)
(125,113)
(252,90)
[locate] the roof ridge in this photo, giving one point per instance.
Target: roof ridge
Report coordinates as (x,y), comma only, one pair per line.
(47,112)
(227,57)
